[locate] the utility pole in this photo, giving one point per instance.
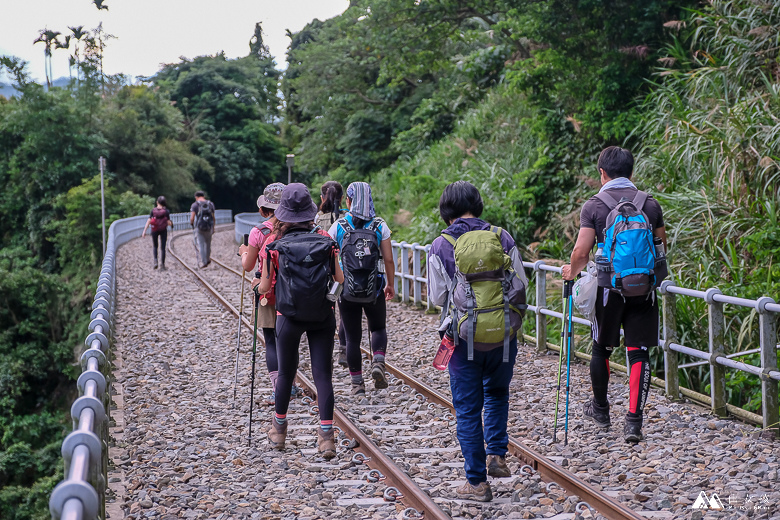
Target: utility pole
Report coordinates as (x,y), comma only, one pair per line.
(290,164)
(102,163)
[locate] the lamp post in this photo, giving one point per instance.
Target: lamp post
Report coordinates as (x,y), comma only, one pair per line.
(290,164)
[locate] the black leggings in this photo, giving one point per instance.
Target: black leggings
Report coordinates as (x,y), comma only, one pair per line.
(163,235)
(352,319)
(271,361)
(288,339)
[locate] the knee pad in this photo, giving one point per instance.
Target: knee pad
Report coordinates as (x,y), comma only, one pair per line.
(638,354)
(601,351)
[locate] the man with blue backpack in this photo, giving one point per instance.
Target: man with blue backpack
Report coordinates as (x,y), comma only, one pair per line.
(628,229)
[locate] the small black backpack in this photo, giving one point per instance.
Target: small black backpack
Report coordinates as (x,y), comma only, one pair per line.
(305,267)
(360,256)
(205,215)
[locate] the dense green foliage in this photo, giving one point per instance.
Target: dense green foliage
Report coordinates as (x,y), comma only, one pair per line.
(50,216)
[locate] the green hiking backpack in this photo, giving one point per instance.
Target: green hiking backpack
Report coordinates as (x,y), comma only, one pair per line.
(487,297)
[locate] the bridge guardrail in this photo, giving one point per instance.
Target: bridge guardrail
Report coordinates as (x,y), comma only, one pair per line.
(82,494)
(244,224)
(409,287)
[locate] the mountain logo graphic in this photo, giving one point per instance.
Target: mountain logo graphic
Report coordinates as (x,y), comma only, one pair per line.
(308,259)
(713,502)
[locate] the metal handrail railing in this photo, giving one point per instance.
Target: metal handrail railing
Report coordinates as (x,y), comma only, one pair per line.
(409,288)
(245,222)
(82,494)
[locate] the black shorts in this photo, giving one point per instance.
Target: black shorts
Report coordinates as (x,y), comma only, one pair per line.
(638,315)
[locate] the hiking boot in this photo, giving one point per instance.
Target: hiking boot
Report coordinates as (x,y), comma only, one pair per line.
(358,388)
(632,430)
(271,399)
(325,444)
(378,375)
(598,414)
(162,266)
(342,359)
(496,466)
(481,493)
(295,390)
(277,434)
(155,264)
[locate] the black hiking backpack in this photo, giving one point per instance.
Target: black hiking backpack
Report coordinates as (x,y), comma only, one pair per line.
(305,266)
(360,258)
(205,220)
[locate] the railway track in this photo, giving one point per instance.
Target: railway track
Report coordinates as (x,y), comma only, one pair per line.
(411,406)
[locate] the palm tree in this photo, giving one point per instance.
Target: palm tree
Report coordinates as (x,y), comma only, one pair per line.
(64,45)
(78,34)
(48,38)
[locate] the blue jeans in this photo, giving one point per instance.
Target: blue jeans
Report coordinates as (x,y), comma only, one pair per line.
(481,383)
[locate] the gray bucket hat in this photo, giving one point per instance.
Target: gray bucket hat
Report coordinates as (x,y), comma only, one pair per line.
(296,204)
(271,196)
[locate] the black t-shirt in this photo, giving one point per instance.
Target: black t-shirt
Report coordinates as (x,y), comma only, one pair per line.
(594,212)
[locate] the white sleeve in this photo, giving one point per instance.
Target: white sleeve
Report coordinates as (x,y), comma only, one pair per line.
(517,264)
(384,229)
(439,281)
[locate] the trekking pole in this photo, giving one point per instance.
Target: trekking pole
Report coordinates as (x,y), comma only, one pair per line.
(560,367)
(567,293)
(254,350)
(240,316)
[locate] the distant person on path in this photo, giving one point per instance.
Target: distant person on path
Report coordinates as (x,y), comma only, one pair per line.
(251,257)
(480,373)
(330,211)
(304,260)
(159,220)
(638,315)
(202,221)
(366,259)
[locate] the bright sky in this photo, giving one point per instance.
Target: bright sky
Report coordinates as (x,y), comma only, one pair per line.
(151,32)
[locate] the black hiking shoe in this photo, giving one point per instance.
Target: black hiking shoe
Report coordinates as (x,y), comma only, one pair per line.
(378,375)
(632,430)
(342,359)
(598,414)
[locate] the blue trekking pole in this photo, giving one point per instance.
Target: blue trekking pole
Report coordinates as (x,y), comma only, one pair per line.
(567,293)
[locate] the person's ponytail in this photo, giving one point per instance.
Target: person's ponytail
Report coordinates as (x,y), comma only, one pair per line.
(331,193)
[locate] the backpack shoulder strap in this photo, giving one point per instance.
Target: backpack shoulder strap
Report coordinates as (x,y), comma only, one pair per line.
(344,223)
(449,238)
(607,199)
(375,224)
(639,199)
(264,230)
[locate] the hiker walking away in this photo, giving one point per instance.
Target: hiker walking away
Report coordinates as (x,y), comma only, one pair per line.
(304,260)
(251,257)
(159,220)
(202,222)
(366,258)
(483,321)
(616,302)
(330,211)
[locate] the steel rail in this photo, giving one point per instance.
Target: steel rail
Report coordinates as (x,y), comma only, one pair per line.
(412,494)
(548,470)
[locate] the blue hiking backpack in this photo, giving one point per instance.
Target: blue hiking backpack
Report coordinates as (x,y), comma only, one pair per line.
(629,252)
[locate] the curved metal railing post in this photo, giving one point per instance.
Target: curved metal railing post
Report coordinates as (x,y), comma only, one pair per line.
(767,322)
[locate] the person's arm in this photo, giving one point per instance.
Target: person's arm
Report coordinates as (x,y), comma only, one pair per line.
(265,280)
(192,219)
(579,256)
(248,256)
(338,274)
(438,281)
(148,222)
(387,257)
(517,264)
